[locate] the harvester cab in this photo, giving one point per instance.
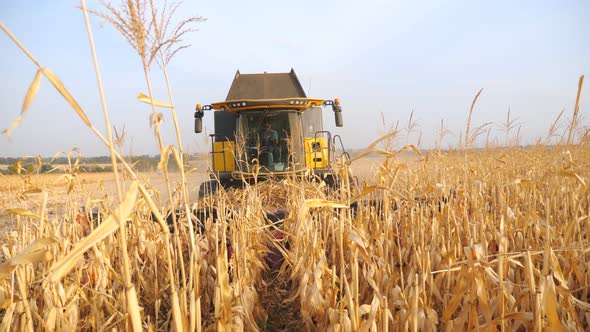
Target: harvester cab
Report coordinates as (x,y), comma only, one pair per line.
(267,127)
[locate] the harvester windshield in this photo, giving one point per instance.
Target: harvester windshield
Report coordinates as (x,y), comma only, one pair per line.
(271,139)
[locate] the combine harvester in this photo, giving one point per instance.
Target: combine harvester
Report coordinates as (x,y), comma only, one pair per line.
(267,128)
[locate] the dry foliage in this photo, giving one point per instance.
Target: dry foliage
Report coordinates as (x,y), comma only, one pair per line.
(507,247)
(491,239)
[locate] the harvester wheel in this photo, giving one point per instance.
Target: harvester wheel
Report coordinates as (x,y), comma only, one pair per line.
(208,188)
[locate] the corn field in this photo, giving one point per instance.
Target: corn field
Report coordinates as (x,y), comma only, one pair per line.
(496,238)
(506,247)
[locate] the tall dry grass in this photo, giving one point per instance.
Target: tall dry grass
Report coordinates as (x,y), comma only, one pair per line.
(496,239)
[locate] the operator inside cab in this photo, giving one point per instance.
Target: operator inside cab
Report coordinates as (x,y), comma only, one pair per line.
(270,141)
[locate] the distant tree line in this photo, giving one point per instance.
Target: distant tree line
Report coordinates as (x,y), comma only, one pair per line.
(89,160)
(143,163)
(33,168)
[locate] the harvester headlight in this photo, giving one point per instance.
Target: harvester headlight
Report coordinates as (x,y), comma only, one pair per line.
(243,103)
(292,102)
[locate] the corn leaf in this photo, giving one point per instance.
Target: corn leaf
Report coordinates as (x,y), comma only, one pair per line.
(66,94)
(31,93)
(146,99)
(111,224)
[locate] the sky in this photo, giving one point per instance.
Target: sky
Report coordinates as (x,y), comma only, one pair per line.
(382,59)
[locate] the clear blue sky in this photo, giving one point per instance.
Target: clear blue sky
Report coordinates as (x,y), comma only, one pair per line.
(378,57)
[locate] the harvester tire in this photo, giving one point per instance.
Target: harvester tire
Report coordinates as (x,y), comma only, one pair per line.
(208,188)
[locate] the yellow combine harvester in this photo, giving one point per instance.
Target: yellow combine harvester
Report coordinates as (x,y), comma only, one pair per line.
(268,128)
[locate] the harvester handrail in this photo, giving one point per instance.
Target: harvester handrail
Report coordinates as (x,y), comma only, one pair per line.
(344,152)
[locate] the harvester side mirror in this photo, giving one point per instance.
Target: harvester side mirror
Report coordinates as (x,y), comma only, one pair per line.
(337,112)
(199,113)
(338,118)
(198,123)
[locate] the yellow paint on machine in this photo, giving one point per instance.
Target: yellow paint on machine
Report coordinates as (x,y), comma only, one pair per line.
(224,159)
(316,152)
